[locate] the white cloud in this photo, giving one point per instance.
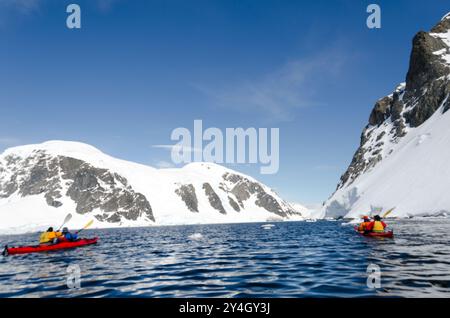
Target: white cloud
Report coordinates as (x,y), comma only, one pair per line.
(177,148)
(276,94)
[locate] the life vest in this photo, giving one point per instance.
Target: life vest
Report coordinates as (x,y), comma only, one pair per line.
(44,238)
(48,237)
(378,226)
(363,226)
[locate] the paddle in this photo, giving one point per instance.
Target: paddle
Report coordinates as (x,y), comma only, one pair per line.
(67,219)
(384,215)
(388,212)
(86,226)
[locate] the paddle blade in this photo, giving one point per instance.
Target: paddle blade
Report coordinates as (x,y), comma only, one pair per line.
(68,218)
(88,224)
(388,212)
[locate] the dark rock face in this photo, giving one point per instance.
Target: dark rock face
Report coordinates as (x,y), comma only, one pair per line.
(424,66)
(426,89)
(89,187)
(443,26)
(243,189)
(234,204)
(213,198)
(425,82)
(381,111)
(428,103)
(187,194)
(94,188)
(239,191)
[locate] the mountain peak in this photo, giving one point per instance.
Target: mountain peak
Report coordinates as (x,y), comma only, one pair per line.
(54,147)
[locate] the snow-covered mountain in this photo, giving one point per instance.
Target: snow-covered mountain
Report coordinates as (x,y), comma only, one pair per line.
(40,184)
(404,157)
(308,211)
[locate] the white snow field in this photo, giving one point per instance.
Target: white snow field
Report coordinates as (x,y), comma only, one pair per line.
(414,176)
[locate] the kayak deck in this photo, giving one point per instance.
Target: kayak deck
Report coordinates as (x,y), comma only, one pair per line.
(45,248)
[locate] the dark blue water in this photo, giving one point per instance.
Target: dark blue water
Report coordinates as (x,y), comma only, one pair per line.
(298,259)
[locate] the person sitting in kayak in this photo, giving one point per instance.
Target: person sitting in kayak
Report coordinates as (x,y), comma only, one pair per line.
(68,236)
(50,236)
(363,225)
(376,225)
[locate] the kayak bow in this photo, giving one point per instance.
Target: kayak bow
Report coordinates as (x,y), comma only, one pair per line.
(46,248)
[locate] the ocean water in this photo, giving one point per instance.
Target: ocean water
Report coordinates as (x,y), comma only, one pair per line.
(289,259)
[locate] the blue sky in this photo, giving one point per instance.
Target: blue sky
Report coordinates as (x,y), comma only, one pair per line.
(138,69)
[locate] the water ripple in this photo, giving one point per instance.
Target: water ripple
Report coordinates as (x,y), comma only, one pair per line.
(322,259)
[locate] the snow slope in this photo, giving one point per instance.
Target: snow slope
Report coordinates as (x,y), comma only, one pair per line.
(313,212)
(414,178)
(28,213)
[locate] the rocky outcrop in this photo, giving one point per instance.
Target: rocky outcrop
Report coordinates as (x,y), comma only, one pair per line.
(243,189)
(187,194)
(213,198)
(426,90)
(234,204)
(424,65)
(91,189)
(241,193)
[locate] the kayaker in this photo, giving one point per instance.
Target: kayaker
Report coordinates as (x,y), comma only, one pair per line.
(49,236)
(363,225)
(67,236)
(376,225)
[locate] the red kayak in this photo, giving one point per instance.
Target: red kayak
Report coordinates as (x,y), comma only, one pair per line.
(46,248)
(388,234)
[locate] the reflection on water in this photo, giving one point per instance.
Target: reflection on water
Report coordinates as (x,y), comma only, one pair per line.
(295,259)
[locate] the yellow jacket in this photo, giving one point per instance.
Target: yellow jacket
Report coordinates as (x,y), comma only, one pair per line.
(48,237)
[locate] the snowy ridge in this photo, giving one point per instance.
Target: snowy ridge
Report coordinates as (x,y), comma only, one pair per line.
(443,53)
(442,32)
(41,183)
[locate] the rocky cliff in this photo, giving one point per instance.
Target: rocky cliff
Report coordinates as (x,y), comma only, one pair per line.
(397,119)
